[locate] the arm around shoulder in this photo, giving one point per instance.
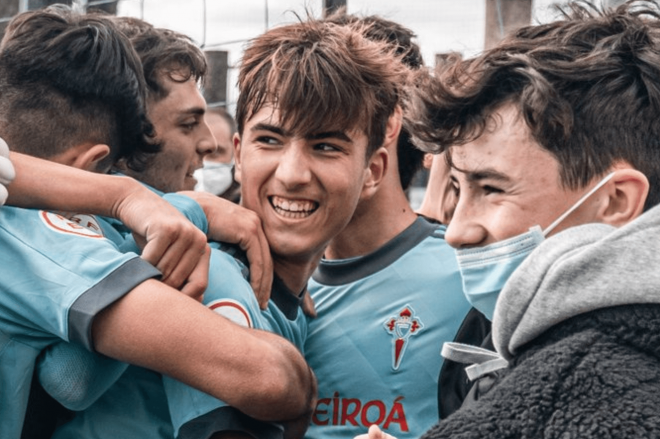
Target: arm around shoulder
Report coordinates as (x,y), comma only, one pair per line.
(156,327)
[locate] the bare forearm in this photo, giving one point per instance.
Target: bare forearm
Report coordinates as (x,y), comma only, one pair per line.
(171,243)
(48,185)
(259,373)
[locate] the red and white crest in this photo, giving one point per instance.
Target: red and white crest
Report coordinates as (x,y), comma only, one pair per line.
(402,326)
(80,225)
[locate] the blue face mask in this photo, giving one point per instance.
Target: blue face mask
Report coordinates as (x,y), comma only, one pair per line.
(486,269)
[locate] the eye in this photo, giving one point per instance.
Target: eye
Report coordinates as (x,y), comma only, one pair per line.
(189,125)
(326,147)
(488,189)
(267,140)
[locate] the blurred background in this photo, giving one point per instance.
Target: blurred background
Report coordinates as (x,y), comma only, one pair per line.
(223,27)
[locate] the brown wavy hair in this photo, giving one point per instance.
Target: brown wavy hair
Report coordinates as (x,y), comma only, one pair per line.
(321,77)
(587,86)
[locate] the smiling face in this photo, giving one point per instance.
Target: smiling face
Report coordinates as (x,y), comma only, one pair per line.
(506,183)
(186,139)
(304,189)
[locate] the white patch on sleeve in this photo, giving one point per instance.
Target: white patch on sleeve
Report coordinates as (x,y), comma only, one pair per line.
(232,310)
(80,225)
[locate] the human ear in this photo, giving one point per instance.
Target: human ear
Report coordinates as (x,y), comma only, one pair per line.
(626,195)
(89,158)
(237,157)
(393,127)
(375,172)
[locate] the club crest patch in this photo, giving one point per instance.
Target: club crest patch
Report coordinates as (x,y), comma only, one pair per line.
(401,327)
(232,310)
(80,225)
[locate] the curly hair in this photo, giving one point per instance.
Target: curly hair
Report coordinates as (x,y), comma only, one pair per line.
(586,85)
(163,53)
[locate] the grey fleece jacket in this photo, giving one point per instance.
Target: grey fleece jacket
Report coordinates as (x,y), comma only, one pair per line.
(568,274)
(579,323)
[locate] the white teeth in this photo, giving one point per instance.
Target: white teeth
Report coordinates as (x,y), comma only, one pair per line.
(293,209)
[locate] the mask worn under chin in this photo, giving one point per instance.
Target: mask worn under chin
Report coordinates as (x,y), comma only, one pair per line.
(486,269)
(214,177)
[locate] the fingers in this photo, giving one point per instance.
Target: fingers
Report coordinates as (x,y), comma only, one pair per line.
(3,194)
(180,252)
(261,264)
(376,433)
(198,279)
(7,172)
(234,224)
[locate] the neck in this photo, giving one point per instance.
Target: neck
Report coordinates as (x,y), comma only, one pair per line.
(294,273)
(375,222)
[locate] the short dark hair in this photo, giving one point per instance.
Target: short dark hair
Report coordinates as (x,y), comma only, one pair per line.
(401,39)
(586,85)
(164,53)
(322,77)
(74,79)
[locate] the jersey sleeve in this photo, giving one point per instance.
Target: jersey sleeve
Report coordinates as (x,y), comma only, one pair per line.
(74,376)
(190,208)
(229,294)
(58,275)
(229,419)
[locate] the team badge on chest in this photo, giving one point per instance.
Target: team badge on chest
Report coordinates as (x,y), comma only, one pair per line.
(401,327)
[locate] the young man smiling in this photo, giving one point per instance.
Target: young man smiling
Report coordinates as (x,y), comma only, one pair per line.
(65,279)
(173,69)
(554,134)
(107,392)
(303,166)
(387,292)
(316,101)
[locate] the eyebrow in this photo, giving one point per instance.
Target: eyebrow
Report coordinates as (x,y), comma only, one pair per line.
(483,174)
(267,127)
(316,136)
(196,111)
(330,134)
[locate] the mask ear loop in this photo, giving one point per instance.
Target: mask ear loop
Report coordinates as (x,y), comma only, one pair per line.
(577,204)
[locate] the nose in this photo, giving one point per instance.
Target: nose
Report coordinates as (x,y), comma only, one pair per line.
(465,228)
(206,143)
(294,167)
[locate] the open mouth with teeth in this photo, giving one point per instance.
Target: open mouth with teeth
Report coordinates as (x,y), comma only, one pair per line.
(293,208)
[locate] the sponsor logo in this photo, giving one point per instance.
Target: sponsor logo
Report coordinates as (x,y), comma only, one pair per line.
(352,411)
(232,310)
(79,225)
(402,326)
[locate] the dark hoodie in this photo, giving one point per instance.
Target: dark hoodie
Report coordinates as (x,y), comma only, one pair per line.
(579,323)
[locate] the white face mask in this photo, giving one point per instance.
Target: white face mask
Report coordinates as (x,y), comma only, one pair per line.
(486,269)
(214,177)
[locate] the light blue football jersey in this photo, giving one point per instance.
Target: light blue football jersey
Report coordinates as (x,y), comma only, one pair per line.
(76,377)
(139,397)
(156,407)
(196,414)
(375,345)
(59,272)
